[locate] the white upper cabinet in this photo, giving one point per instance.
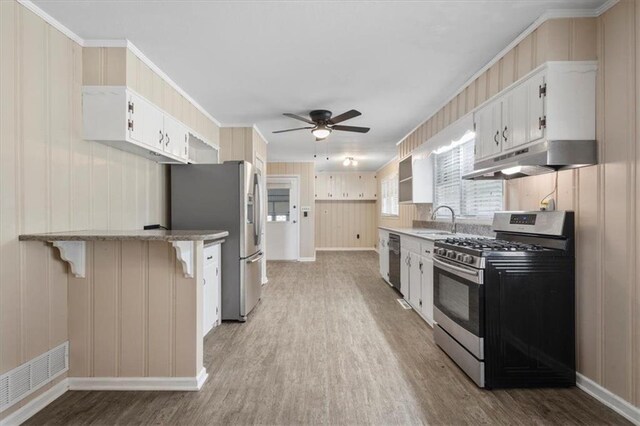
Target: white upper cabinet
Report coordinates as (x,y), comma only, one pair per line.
(119,117)
(554,102)
(416,180)
(346,186)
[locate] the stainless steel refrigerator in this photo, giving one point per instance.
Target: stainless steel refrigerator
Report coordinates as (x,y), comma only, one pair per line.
(227,197)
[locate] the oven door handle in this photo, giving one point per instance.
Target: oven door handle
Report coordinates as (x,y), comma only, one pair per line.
(459,271)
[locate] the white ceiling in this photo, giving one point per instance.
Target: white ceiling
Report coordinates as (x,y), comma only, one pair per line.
(247,62)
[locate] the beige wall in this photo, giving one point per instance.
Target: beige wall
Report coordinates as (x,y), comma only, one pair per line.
(118,66)
(52,180)
(604,196)
(135,314)
(307,199)
(242,143)
(338,224)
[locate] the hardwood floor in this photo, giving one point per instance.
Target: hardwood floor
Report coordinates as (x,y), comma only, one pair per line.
(329,344)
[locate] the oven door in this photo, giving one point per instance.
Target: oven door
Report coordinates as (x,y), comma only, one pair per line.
(458,293)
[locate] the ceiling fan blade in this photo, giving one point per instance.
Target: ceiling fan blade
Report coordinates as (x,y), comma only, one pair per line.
(351,129)
(297,117)
(345,116)
(292,130)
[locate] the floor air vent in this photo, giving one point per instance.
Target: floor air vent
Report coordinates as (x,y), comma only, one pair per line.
(404,304)
(30,376)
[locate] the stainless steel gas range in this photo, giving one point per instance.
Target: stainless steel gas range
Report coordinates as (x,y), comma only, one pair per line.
(505,307)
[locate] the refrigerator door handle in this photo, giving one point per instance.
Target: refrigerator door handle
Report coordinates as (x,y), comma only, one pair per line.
(258,256)
(257,209)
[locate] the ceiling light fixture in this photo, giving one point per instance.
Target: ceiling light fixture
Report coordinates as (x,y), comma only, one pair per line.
(349,161)
(321,131)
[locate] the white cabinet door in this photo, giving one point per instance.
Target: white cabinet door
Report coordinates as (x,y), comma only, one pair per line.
(485,132)
(536,107)
(322,188)
(415,292)
(370,188)
(516,121)
(153,132)
(209,297)
(383,250)
(427,288)
(136,121)
(404,272)
(332,186)
(494,144)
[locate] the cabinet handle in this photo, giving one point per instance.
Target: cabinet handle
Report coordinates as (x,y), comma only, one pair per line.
(420,266)
(209,257)
(168,139)
(503,133)
(495,137)
(161,138)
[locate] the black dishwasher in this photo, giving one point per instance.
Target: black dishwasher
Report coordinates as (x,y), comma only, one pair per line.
(394,260)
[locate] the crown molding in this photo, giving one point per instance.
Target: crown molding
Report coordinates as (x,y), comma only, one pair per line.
(52,21)
(115,43)
(255,127)
(546,16)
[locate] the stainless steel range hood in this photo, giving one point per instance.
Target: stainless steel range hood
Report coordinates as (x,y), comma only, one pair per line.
(544,157)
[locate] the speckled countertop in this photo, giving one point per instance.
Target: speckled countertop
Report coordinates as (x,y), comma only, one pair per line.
(430,234)
(140,235)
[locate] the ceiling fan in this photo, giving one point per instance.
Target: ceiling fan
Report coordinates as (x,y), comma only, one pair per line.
(323,124)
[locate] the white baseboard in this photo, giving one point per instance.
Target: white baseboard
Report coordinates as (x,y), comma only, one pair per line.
(307,259)
(139,383)
(608,398)
(345,249)
(32,407)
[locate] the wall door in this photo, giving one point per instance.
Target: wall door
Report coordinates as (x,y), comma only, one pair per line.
(282,218)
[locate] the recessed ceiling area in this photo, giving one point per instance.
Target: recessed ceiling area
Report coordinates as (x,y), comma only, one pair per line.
(247,62)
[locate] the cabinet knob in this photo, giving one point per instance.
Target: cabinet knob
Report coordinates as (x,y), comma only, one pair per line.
(161,137)
(504,133)
(168,139)
(496,136)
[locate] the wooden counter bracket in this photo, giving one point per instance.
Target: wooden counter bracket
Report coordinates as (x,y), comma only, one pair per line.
(185,252)
(75,254)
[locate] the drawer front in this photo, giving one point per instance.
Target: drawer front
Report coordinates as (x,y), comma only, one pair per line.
(426,248)
(410,243)
(211,254)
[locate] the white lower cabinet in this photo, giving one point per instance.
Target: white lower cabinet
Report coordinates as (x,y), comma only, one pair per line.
(383,252)
(211,291)
(416,275)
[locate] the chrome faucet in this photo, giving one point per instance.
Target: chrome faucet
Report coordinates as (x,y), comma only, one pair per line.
(453,216)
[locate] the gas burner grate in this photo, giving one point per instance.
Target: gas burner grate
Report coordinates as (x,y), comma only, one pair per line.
(491,244)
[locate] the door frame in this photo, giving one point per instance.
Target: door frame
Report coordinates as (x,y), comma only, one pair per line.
(297,192)
(263,209)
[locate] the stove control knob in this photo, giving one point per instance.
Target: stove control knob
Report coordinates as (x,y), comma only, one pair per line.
(467,259)
(460,256)
(451,254)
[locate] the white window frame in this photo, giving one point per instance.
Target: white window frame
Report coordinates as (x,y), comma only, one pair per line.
(460,205)
(389,187)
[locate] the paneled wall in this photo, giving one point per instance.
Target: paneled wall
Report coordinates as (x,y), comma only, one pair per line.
(307,199)
(52,180)
(241,143)
(603,196)
(339,223)
(119,66)
(135,314)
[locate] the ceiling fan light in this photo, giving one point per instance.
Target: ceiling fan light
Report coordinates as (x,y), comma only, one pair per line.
(346,162)
(321,132)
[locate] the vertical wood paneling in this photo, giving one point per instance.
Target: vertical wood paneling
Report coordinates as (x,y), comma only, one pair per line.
(338,224)
(160,282)
(105,314)
(132,314)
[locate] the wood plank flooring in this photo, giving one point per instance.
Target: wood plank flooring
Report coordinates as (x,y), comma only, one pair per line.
(329,344)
